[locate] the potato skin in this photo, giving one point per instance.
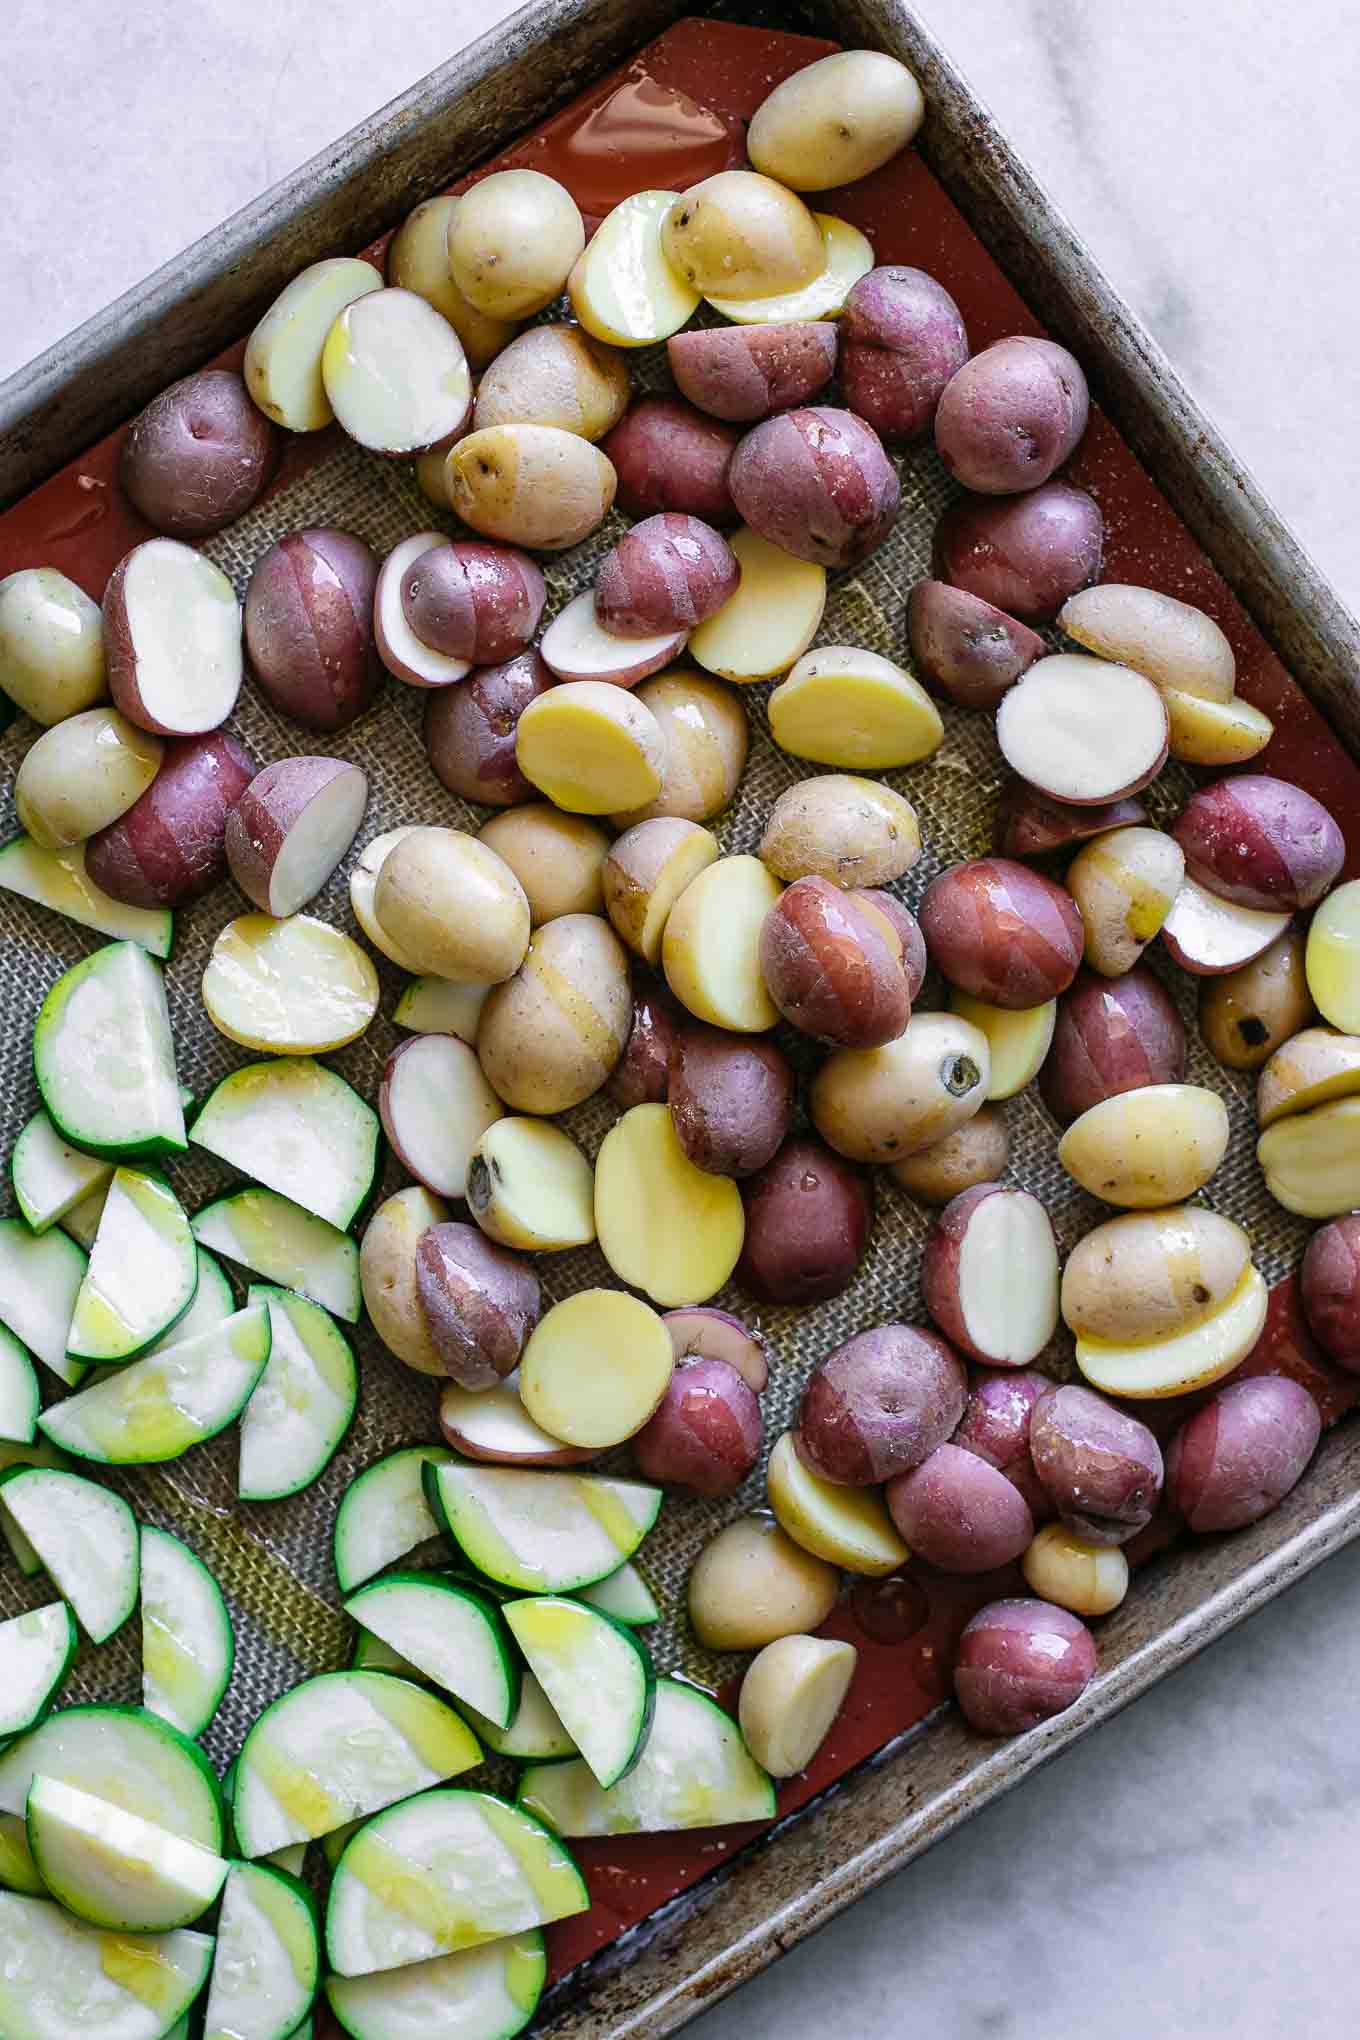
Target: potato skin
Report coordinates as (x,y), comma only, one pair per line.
(544,1049)
(1260,842)
(170,846)
(454,907)
(387,1274)
(902,339)
(976,1152)
(554,375)
(878,1104)
(557,858)
(199,455)
(480,1302)
(264,812)
(743,373)
(995,1425)
(1025,555)
(854,832)
(817,483)
(752,1583)
(477,602)
(530,485)
(1019,1663)
(1173,643)
(1028,823)
(470,730)
(705,1434)
(309,627)
(740,235)
(642,1073)
(512,240)
(1237,1458)
(1101,1469)
(832,963)
(1124,884)
(1245,1015)
(707,737)
(82,775)
(879,1404)
(668,573)
(809,1214)
(1111,1035)
(1002,932)
(668,456)
(1011,416)
(836,120)
(914,959)
(51,645)
(1329,1283)
(731,1100)
(959,1513)
(964,648)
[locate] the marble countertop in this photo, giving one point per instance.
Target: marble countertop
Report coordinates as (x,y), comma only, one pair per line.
(1192,1867)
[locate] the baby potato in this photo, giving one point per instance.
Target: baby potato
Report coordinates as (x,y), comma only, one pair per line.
(855,832)
(452,906)
(550,1035)
(1101,1468)
(309,626)
(171,845)
(282,365)
(480,1302)
(832,963)
(790,1698)
(532,485)
(1072,1572)
(644,874)
(1260,842)
(770,621)
(710,946)
(512,242)
(968,650)
(902,338)
(1019,1039)
(1174,1365)
(705,1434)
(51,645)
(595,1368)
(1027,823)
(809,1214)
(1020,1663)
(1124,884)
(976,1152)
(847,257)
(1247,1014)
(1214,733)
(742,235)
(879,1104)
(1011,415)
(852,708)
(1151,1275)
(669,572)
(529,1186)
(1112,1035)
(817,483)
(554,375)
(744,373)
(847,1526)
(557,858)
(199,455)
(836,120)
(989,1275)
(1312,1068)
(704,727)
(1311,1160)
(671,1230)
(1023,554)
(592,748)
(363,885)
(1001,932)
(1236,1459)
(470,730)
(1332,959)
(1329,1283)
(751,1583)
(81,775)
(1171,642)
(880,1404)
(387,1274)
(476,602)
(1147,1147)
(731,1100)
(960,1513)
(668,456)
(418,260)
(622,288)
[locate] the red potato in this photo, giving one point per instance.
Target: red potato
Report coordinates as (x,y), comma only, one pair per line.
(1111,1035)
(1100,1468)
(1237,1458)
(199,455)
(989,1275)
(172,640)
(476,602)
(817,483)
(668,456)
(1019,1663)
(743,373)
(492,1425)
(964,648)
(995,1426)
(170,845)
(833,965)
(407,657)
(578,647)
(1012,415)
(668,573)
(435,1105)
(731,1100)
(1029,823)
(879,1405)
(642,1074)
(309,627)
(914,959)
(480,1302)
(290,830)
(959,1513)
(702,1333)
(706,1433)
(470,731)
(809,1214)
(1025,556)
(1209,936)
(902,338)
(1329,1282)
(1260,842)
(1002,932)
(1083,730)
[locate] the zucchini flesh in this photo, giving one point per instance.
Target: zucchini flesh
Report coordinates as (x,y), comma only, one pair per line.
(384,1513)
(35,1655)
(127,1756)
(304,1402)
(451,1634)
(113,1869)
(13,1453)
(487,1993)
(371,1654)
(277,1239)
(82,1220)
(60,1978)
(268,1960)
(536,1732)
(142,1271)
(188,1645)
(165,1403)
(626,1596)
(50,1178)
(58,880)
(40,1278)
(87,1539)
(18,1871)
(597,1675)
(213,1304)
(104,1059)
(545,1533)
(19,1397)
(298,1128)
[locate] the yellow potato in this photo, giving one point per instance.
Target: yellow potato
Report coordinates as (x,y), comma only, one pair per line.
(289,987)
(741,235)
(1070,1571)
(387,1274)
(854,832)
(1214,732)
(771,619)
(665,1227)
(622,288)
(848,256)
(591,748)
(418,260)
(1192,1359)
(976,1152)
(847,1526)
(1124,883)
(82,774)
(1333,957)
(1152,1274)
(836,120)
(51,645)
(282,365)
(532,485)
(554,375)
(595,1368)
(851,708)
(1312,1068)
(529,1186)
(751,1583)
(557,858)
(1169,641)
(880,1104)
(1246,1014)
(1311,1160)
(704,726)
(432,476)
(1018,1037)
(1147,1147)
(551,1035)
(790,1697)
(645,873)
(710,949)
(452,906)
(512,242)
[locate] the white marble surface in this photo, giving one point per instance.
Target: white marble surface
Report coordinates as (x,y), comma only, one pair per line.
(1194,1867)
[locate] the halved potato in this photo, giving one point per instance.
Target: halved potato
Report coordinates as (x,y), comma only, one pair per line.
(671,1230)
(1019,1039)
(770,621)
(294,987)
(1192,1359)
(622,288)
(853,709)
(710,949)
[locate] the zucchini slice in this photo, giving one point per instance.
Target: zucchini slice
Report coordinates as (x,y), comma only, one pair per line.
(371,1654)
(113,1869)
(40,1278)
(124,1755)
(695,1771)
(338,1747)
(61,1978)
(58,880)
(213,1304)
(19,1397)
(50,1178)
(268,1961)
(450,1633)
(13,1453)
(626,1596)
(18,1871)
(86,1537)
(82,1220)
(188,1644)
(142,1271)
(167,1402)
(443,1872)
(545,1533)
(304,1403)
(276,1238)
(383,1514)
(104,1059)
(597,1675)
(535,1734)
(487,1993)
(35,1655)
(298,1128)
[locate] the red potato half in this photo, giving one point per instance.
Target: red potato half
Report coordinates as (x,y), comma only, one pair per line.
(1029,823)
(668,573)
(290,830)
(817,483)
(1237,1458)
(309,627)
(1111,1035)
(470,730)
(172,640)
(401,651)
(1083,730)
(743,373)
(199,455)
(1002,932)
(493,1426)
(1329,1282)
(1208,936)
(1011,416)
(1019,1663)
(832,963)
(435,1105)
(480,1302)
(577,647)
(472,601)
(964,648)
(902,338)
(731,1100)
(703,1333)
(809,1214)
(989,1275)
(170,846)
(1025,554)
(879,1404)
(958,1513)
(1260,842)
(668,456)
(642,1074)
(706,1432)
